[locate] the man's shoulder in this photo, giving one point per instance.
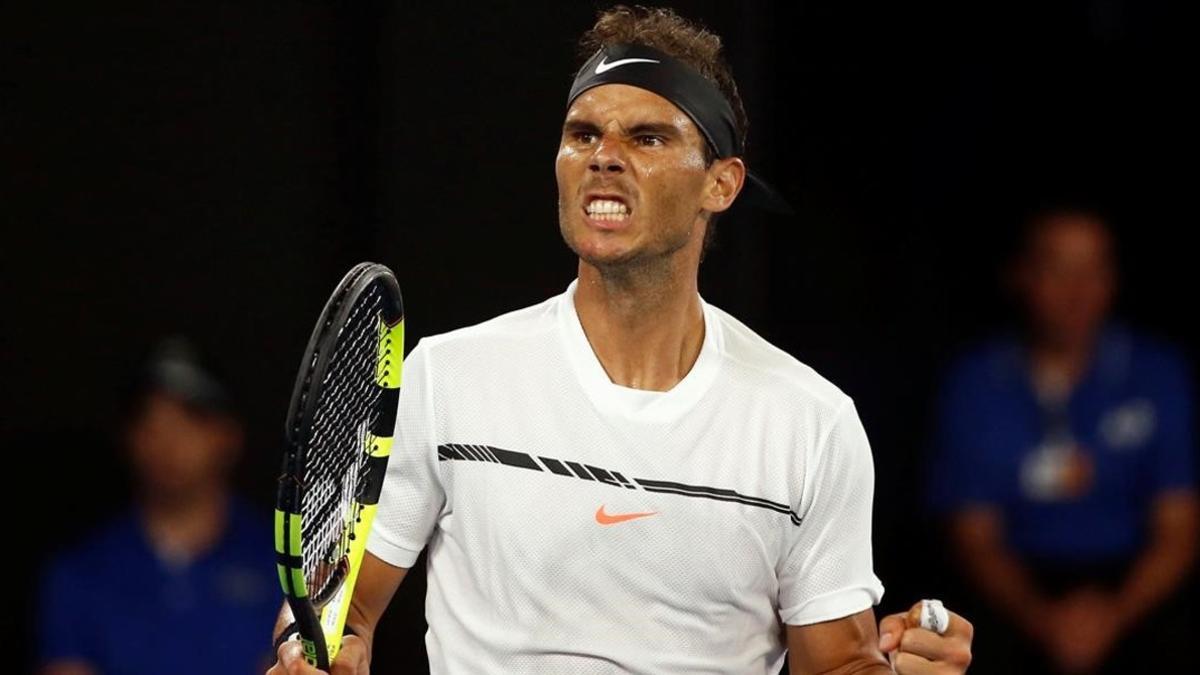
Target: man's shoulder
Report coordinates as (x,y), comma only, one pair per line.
(119,536)
(1150,350)
(749,354)
(515,325)
(996,360)
(246,526)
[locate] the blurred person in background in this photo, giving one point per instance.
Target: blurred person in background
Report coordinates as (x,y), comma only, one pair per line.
(184,582)
(1064,461)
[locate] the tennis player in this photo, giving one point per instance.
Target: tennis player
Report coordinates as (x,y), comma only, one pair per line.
(624,478)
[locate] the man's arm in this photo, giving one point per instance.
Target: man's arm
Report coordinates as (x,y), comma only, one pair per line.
(978,537)
(1090,622)
(839,647)
(914,650)
(377,583)
(68,668)
(852,645)
(1173,518)
(1162,567)
(64,639)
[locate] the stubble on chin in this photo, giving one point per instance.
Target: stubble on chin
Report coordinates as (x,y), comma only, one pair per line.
(638,265)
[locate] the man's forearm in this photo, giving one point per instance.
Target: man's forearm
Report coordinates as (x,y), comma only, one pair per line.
(1165,564)
(1000,575)
(846,646)
(872,667)
(69,667)
(356,624)
(360,625)
(1005,582)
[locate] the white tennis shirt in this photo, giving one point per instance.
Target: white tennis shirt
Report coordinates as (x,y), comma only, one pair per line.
(577,526)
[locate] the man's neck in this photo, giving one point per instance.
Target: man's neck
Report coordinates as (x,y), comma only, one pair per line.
(1058,364)
(181,529)
(645,327)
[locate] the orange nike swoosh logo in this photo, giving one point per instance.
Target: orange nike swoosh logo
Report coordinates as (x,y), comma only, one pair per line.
(612,519)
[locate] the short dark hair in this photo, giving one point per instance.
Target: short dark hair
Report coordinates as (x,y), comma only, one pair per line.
(1039,218)
(662,29)
(688,41)
(177,367)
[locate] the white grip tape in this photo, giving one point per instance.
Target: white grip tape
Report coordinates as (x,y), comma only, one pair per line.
(934,616)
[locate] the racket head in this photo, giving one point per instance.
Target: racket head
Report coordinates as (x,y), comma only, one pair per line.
(338,437)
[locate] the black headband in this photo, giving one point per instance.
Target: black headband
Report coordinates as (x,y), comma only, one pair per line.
(688,90)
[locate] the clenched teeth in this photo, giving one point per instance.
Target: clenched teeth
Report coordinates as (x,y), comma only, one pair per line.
(607,207)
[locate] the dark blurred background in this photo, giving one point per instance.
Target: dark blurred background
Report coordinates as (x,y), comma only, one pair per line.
(212,168)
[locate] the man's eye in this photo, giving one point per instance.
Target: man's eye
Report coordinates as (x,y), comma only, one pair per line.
(650,140)
(585,136)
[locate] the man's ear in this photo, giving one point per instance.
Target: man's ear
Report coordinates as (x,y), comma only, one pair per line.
(725,180)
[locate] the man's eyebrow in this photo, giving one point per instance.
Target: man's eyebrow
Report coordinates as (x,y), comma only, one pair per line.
(580,126)
(667,129)
(655,128)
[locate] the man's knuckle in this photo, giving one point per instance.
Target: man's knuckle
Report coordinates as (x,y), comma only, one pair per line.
(960,657)
(905,663)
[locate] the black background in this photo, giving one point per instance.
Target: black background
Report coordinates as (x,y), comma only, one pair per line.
(212,168)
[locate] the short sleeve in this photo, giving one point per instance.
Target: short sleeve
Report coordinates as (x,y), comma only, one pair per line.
(954,476)
(1174,444)
(63,617)
(412,495)
(827,571)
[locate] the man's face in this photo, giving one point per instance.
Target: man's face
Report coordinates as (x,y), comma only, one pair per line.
(176,451)
(631,177)
(1067,278)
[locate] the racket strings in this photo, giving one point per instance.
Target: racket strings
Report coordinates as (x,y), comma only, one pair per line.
(338,445)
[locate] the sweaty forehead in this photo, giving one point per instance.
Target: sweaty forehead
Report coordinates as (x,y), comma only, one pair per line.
(1072,232)
(628,106)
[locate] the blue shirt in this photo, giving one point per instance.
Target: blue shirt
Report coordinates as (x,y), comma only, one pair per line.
(114,604)
(1074,481)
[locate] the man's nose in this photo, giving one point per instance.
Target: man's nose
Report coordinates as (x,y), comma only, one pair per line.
(609,156)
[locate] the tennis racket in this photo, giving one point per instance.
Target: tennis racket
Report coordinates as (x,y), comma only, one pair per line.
(338,438)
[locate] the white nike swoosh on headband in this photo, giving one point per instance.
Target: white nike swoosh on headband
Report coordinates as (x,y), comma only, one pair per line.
(602,66)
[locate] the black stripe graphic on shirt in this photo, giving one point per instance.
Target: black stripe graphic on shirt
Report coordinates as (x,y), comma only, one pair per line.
(555,466)
(710,491)
(580,471)
(623,480)
(601,475)
(491,454)
(715,493)
(514,458)
(486,453)
(720,494)
(706,495)
(458,451)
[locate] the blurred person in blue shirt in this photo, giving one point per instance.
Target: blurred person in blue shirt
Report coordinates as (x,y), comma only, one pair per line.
(1064,460)
(184,582)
